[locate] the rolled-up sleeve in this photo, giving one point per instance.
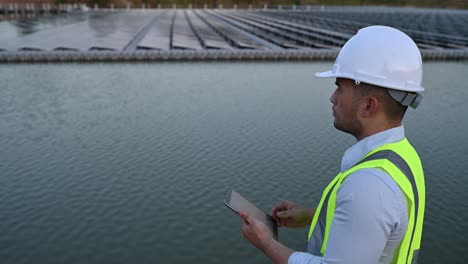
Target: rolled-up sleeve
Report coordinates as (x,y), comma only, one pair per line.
(368,209)
(303,258)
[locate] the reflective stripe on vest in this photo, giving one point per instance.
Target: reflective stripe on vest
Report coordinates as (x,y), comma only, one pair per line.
(402,163)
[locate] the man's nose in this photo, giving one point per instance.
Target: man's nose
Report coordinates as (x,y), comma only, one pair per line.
(333,98)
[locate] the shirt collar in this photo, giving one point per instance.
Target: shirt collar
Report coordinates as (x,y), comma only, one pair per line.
(364,146)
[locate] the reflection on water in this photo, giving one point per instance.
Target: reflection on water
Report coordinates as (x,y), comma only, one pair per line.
(26,25)
(102,26)
(75,30)
(30,25)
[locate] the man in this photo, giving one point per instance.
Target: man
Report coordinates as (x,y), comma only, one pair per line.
(373,210)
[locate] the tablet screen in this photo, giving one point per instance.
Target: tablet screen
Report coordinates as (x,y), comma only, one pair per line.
(238,203)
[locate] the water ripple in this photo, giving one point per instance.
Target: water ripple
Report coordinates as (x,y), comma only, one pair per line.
(129,163)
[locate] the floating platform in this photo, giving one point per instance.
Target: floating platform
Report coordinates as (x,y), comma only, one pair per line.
(309,33)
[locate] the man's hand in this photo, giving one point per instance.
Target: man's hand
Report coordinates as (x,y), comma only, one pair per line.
(289,214)
(255,231)
(260,236)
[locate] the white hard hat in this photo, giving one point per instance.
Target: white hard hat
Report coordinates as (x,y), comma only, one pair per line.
(382,56)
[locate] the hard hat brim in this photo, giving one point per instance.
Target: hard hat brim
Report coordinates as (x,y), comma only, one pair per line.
(325,74)
(331,74)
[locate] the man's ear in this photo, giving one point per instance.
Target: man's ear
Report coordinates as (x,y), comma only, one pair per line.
(369,106)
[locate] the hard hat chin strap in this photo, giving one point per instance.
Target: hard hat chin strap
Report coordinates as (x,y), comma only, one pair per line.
(406,98)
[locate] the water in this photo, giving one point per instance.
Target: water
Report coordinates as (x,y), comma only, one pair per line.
(127,163)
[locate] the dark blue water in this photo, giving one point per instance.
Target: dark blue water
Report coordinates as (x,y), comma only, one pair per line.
(127,163)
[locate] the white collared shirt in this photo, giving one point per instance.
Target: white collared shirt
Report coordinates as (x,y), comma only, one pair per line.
(371,215)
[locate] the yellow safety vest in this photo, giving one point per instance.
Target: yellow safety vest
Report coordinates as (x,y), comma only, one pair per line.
(402,163)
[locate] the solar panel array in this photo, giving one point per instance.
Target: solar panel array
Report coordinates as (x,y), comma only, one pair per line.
(226,32)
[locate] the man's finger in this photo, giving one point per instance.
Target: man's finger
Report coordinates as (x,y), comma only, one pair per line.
(284,214)
(244,216)
(279,206)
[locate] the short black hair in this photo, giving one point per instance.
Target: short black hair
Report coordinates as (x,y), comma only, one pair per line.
(392,108)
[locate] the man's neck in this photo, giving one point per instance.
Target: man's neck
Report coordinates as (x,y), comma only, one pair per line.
(372,130)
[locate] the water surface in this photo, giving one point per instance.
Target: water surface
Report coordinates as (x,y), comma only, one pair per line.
(127,163)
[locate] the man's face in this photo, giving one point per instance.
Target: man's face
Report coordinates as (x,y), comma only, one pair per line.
(344,107)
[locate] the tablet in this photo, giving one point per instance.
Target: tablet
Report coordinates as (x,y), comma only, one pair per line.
(236,202)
